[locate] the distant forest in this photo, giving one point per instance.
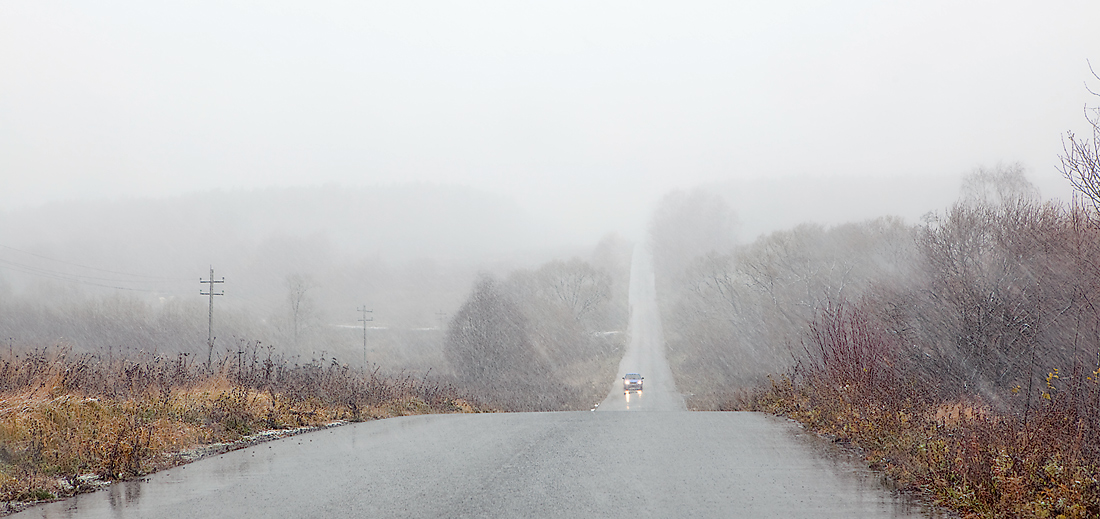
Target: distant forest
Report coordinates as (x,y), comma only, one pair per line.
(123,275)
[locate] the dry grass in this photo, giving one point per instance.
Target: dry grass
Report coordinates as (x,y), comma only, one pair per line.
(1031,458)
(976,463)
(63,419)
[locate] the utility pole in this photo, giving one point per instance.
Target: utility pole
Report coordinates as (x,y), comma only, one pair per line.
(365,320)
(210,326)
(442,330)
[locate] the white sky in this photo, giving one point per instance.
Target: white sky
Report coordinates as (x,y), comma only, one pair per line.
(587,111)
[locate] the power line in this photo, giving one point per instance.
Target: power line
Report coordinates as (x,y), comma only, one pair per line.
(161,278)
(34,271)
(85,279)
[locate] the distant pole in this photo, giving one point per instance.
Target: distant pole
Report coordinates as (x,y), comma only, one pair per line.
(442,331)
(210,324)
(365,320)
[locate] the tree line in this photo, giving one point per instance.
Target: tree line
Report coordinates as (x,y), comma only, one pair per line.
(544,339)
(961,354)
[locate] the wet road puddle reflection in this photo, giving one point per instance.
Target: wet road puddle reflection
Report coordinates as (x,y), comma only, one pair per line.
(632,396)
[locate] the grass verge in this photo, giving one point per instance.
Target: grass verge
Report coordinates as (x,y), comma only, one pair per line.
(1024,457)
(67,425)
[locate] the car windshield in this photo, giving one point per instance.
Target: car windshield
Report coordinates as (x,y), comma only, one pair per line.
(633,375)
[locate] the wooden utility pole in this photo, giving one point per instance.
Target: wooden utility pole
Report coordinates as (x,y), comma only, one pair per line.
(210,325)
(442,329)
(365,320)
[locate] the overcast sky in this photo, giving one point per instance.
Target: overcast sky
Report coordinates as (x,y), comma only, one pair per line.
(587,110)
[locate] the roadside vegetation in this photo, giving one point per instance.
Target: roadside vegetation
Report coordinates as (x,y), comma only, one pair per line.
(1011,453)
(547,339)
(69,422)
(960,355)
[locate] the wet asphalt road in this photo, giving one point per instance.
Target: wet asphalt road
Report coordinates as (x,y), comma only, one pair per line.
(576,464)
(651,459)
(645,354)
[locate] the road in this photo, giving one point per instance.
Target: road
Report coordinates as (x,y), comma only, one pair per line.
(645,353)
(651,459)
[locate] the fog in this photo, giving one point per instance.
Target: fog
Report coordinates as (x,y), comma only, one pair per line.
(395,157)
(583,114)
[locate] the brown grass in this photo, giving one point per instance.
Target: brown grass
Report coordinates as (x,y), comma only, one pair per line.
(968,457)
(68,422)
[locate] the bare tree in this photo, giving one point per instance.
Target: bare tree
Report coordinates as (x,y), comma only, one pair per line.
(300,305)
(1003,297)
(1000,185)
(1081,155)
(736,316)
(576,285)
(490,347)
(561,300)
(530,342)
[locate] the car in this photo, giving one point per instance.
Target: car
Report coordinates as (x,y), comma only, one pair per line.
(632,382)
